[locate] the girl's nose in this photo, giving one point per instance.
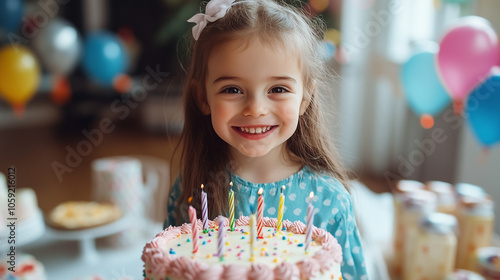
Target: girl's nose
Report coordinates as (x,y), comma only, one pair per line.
(255,106)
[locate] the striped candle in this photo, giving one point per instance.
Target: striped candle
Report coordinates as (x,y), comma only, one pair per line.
(309,220)
(252,237)
(204,208)
(220,239)
(194,228)
(231,207)
(281,209)
(260,214)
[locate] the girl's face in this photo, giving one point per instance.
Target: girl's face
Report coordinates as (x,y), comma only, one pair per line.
(254,95)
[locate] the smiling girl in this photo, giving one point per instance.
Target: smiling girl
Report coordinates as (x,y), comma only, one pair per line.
(253,116)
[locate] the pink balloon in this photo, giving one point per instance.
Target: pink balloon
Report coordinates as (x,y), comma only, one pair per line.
(467,52)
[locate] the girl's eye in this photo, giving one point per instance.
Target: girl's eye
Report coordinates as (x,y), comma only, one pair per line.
(279,90)
(232,90)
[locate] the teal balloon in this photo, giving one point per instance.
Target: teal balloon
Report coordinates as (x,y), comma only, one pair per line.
(104,57)
(482,109)
(422,88)
(11,13)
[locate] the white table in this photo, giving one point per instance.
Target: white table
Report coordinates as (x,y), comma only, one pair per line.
(72,255)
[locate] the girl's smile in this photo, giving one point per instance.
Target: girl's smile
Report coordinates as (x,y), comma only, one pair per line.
(255,132)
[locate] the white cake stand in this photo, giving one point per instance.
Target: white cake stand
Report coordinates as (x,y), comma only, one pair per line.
(86,237)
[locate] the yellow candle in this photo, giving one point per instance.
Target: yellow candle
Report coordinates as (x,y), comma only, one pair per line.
(281,210)
(252,237)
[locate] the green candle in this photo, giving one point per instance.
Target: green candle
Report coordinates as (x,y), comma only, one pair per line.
(231,207)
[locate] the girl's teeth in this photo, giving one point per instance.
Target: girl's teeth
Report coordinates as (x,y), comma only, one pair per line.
(253,130)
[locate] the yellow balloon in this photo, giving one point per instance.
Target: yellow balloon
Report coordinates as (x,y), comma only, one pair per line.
(333,36)
(19,75)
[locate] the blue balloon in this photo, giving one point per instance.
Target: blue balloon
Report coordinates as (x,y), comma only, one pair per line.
(483,109)
(327,49)
(423,90)
(11,13)
(104,57)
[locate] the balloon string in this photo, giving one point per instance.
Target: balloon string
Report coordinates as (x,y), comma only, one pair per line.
(123,83)
(61,91)
(19,110)
(484,156)
(458,107)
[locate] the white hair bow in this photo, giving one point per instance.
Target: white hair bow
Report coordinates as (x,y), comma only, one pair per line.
(215,10)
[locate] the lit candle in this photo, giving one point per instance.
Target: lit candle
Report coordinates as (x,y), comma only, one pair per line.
(231,207)
(204,208)
(309,220)
(281,209)
(260,214)
(252,236)
(220,239)
(194,228)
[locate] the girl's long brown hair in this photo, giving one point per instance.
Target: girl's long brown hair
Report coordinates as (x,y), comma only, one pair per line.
(205,156)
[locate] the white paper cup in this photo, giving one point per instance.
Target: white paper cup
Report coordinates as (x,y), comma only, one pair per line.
(119,180)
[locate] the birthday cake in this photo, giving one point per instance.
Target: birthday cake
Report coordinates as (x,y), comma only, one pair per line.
(278,255)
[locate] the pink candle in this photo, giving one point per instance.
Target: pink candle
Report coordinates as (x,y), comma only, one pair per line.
(193,220)
(309,221)
(260,214)
(204,209)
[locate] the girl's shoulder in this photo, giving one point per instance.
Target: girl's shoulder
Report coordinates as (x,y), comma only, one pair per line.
(327,188)
(302,183)
(324,182)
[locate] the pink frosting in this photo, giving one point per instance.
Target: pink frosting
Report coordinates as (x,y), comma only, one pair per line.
(234,272)
(325,259)
(272,222)
(193,270)
(163,264)
(297,227)
(321,236)
(158,242)
(243,220)
(286,271)
(333,246)
(187,228)
(216,222)
(286,223)
(211,273)
(260,271)
(170,234)
(178,266)
(309,268)
(147,253)
(159,262)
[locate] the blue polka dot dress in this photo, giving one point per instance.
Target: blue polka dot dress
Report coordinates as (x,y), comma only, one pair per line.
(332,203)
